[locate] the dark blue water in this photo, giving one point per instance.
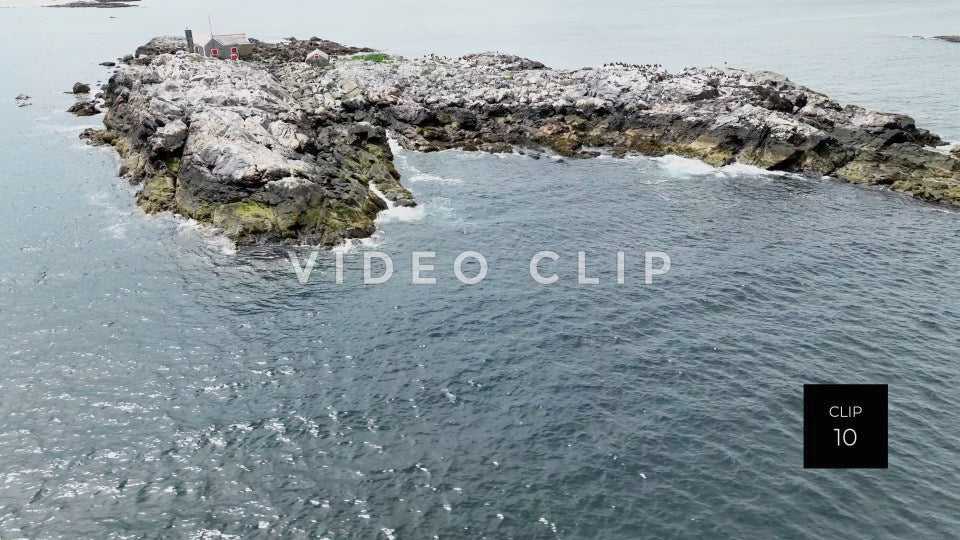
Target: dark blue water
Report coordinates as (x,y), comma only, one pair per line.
(155,382)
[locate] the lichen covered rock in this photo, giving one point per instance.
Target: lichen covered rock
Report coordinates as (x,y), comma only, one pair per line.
(275,150)
(718,115)
(238,146)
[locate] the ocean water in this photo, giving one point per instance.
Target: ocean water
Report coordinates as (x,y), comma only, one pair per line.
(157,382)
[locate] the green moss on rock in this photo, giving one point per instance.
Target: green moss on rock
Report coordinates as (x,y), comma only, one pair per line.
(244,218)
(157,195)
(335,221)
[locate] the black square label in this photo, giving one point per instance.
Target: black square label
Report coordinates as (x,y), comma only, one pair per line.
(845,426)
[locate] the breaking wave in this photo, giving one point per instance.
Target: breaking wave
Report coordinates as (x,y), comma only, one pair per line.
(679,165)
(396,213)
(674,164)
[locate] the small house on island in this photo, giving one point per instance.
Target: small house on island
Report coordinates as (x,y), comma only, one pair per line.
(318,58)
(222,46)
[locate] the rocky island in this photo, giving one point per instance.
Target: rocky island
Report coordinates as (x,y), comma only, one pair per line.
(273,149)
(96,4)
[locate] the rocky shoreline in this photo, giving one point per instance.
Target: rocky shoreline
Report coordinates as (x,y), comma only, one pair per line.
(274,150)
(97,4)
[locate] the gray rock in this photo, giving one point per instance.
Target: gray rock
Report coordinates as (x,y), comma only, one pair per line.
(170,137)
(81,88)
(161,45)
(229,144)
(97,4)
(508,62)
(84,108)
(719,115)
(274,150)
(363,129)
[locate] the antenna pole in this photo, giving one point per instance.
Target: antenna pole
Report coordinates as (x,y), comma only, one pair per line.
(210,24)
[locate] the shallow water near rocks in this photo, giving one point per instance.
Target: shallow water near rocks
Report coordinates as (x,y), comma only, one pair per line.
(155,380)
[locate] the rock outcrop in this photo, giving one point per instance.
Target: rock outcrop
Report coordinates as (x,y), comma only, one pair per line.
(97,4)
(160,45)
(84,108)
(246,149)
(275,150)
(951,39)
(718,115)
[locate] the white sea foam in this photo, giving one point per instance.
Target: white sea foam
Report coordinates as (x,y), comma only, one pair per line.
(547,523)
(397,213)
(403,163)
(679,165)
(945,149)
(394,145)
(211,534)
(684,166)
(351,244)
(402,213)
(427,177)
(64,128)
(210,236)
